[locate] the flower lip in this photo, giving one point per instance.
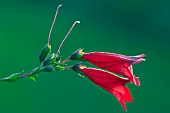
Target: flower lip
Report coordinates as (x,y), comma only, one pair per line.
(133,59)
(137,59)
(77,54)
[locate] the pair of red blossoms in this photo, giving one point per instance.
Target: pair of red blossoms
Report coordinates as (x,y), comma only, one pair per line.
(116,63)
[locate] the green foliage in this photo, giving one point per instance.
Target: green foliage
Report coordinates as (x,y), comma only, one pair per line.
(12,77)
(32,78)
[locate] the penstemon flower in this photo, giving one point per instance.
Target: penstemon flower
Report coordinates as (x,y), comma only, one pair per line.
(113,63)
(108,81)
(117,63)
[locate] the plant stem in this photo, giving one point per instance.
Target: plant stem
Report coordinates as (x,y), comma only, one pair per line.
(29,73)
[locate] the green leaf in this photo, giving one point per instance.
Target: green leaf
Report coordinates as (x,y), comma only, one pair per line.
(13,77)
(32,78)
(36,75)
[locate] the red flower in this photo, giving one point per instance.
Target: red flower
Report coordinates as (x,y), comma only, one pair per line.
(108,81)
(112,62)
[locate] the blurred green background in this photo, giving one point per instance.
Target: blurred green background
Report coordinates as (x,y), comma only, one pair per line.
(128,27)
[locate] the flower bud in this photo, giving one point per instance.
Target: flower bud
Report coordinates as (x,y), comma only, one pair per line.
(49,69)
(50,59)
(45,52)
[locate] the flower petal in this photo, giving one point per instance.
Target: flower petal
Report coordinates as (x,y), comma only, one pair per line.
(108,81)
(123,95)
(116,63)
(101,77)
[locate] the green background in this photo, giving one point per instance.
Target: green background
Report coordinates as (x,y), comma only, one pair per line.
(128,27)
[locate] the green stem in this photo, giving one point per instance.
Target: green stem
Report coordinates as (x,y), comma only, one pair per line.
(29,73)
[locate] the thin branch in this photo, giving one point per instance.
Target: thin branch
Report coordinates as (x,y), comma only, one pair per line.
(28,73)
(53,24)
(19,75)
(66,36)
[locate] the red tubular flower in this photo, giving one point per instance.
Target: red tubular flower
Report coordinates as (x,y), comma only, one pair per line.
(112,62)
(108,81)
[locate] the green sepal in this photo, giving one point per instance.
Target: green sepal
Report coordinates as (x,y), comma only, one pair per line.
(36,75)
(57,60)
(56,63)
(77,55)
(45,52)
(51,58)
(32,78)
(77,68)
(12,77)
(59,68)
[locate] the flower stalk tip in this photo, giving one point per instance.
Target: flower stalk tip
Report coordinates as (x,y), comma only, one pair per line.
(49,35)
(67,36)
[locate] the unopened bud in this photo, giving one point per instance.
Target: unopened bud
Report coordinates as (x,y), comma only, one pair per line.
(49,69)
(50,59)
(45,52)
